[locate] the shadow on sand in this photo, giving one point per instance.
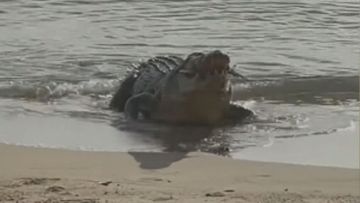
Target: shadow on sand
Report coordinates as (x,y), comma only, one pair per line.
(157,160)
(177,139)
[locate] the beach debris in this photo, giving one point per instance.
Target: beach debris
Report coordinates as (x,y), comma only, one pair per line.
(80,200)
(164,198)
(264,175)
(220,149)
(105,183)
(155,179)
(33,181)
(215,194)
(229,190)
(286,189)
(12,196)
(55,188)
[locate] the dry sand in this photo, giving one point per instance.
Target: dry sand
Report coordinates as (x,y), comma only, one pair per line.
(47,175)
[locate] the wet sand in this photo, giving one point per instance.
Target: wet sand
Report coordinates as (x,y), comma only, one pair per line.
(338,149)
(48,175)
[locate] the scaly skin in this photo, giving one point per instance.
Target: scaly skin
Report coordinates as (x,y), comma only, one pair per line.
(196,90)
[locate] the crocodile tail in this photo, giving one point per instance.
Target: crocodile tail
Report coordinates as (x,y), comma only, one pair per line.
(123,93)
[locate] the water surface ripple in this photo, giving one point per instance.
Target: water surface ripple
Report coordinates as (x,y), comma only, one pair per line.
(62,59)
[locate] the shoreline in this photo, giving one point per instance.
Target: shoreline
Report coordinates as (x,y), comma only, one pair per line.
(320,150)
(36,174)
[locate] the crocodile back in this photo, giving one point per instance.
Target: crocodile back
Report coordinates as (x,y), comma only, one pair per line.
(151,73)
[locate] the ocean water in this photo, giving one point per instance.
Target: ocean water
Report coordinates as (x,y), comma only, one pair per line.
(61,61)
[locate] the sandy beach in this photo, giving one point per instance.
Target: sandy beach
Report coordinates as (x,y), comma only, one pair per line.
(48,175)
(294,64)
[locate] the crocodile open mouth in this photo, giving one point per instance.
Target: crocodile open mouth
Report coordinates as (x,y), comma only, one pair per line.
(214,63)
(203,65)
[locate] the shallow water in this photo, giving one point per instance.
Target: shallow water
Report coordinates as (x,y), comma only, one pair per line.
(60,62)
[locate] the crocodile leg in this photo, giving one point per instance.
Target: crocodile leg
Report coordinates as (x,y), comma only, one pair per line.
(237,112)
(123,93)
(143,103)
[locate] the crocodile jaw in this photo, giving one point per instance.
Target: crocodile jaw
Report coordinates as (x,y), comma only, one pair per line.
(199,93)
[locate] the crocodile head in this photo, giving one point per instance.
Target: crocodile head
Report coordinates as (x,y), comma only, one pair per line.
(199,91)
(214,63)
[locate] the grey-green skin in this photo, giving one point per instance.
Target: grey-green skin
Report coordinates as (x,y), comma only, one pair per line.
(196,90)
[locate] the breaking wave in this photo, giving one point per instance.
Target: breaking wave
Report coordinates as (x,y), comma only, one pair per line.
(44,91)
(319,90)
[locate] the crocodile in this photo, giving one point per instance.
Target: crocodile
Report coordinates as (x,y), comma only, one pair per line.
(194,90)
